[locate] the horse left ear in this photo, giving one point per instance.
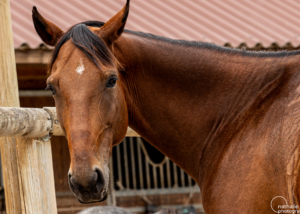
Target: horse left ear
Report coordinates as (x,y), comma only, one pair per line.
(114,27)
(48,31)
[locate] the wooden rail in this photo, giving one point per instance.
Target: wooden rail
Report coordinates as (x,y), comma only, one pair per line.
(33,123)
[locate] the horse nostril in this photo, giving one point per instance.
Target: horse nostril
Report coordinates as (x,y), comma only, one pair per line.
(69,179)
(100,180)
(72,181)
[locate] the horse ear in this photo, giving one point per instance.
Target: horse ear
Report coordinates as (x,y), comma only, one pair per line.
(48,31)
(114,27)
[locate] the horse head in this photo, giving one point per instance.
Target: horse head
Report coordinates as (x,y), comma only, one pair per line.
(89,99)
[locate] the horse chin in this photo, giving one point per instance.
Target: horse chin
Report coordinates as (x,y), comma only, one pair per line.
(91,200)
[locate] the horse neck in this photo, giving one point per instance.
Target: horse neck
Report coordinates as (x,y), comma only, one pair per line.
(182,99)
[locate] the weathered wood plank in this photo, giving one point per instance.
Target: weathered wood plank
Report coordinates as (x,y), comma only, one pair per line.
(24,122)
(8,97)
(36,176)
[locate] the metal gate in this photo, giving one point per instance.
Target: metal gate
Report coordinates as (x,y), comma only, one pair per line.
(135,173)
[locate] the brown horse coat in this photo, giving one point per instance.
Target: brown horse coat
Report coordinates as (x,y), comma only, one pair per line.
(229,118)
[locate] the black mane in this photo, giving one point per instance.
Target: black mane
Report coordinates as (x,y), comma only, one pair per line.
(97,50)
(210,46)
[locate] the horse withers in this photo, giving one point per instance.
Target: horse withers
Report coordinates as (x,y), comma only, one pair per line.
(229,118)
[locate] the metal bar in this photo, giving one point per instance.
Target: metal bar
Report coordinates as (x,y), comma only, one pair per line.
(162,177)
(120,178)
(132,163)
(154,177)
(175,175)
(140,166)
(190,181)
(146,166)
(128,193)
(126,163)
(168,173)
(111,200)
(182,178)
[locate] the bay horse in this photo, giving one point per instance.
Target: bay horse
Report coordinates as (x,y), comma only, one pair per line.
(229,118)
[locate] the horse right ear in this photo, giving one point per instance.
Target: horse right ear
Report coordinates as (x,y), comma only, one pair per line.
(114,27)
(48,31)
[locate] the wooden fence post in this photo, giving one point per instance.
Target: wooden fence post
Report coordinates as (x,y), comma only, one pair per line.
(27,163)
(8,97)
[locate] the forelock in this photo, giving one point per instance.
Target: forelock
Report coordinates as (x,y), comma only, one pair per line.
(88,42)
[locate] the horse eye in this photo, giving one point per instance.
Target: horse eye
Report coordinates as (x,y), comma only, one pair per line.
(112,82)
(50,88)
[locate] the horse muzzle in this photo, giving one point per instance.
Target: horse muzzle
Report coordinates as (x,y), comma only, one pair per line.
(88,188)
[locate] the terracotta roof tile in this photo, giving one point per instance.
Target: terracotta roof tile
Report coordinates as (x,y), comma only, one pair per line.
(231,22)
